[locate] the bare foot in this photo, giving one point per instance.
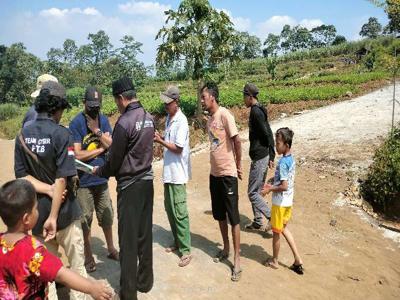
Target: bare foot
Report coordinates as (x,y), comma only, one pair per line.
(272,263)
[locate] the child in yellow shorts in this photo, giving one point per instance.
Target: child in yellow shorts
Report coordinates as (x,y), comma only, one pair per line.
(282,199)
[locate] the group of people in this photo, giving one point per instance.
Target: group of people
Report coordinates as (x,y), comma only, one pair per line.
(57,202)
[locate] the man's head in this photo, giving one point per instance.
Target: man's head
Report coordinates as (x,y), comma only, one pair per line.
(92,101)
(39,83)
(283,140)
(171,99)
(250,94)
(52,100)
(209,96)
(18,204)
(124,93)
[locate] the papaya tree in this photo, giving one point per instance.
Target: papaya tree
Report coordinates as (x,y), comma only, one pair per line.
(198,35)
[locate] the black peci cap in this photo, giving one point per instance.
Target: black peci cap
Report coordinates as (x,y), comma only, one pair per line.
(122,85)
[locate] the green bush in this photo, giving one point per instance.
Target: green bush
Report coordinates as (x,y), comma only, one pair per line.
(8,111)
(75,95)
(11,127)
(381,187)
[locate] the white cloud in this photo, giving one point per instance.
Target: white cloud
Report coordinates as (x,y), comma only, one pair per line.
(60,13)
(310,24)
(240,23)
(143,8)
(49,28)
(275,24)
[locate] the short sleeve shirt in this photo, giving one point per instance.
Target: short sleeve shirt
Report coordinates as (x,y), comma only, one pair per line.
(89,142)
(177,168)
(285,170)
(26,268)
(52,143)
(221,128)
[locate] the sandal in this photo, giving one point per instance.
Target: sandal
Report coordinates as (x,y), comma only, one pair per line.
(185,260)
(270,263)
(220,256)
(113,255)
(90,265)
(236,275)
(171,249)
(297,269)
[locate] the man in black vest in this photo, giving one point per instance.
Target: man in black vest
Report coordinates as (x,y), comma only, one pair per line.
(130,158)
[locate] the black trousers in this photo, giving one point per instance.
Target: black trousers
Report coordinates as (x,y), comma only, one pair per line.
(135,221)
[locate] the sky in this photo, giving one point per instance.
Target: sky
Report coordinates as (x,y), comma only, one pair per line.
(42,24)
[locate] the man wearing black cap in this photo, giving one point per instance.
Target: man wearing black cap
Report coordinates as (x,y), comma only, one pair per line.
(44,156)
(130,158)
(262,155)
(91,133)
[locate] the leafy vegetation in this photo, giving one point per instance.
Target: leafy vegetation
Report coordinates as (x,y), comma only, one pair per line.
(382,185)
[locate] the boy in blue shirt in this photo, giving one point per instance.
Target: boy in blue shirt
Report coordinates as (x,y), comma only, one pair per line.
(282,199)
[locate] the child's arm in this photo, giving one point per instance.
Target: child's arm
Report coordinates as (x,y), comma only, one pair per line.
(95,288)
(281,187)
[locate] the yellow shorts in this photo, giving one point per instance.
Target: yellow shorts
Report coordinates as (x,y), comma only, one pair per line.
(279,217)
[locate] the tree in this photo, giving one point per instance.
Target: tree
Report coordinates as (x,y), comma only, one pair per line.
(18,73)
(393,11)
(247,46)
(339,39)
(129,65)
(299,39)
(271,45)
(200,35)
(371,29)
(100,46)
(392,8)
(323,35)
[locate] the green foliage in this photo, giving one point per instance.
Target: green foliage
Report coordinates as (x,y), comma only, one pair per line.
(11,127)
(371,29)
(393,11)
(199,34)
(8,111)
(18,72)
(246,46)
(382,185)
(75,95)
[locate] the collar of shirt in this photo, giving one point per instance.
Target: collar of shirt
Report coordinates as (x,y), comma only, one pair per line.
(44,116)
(175,118)
(133,105)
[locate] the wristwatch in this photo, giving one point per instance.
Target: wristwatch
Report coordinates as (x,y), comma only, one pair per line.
(99,133)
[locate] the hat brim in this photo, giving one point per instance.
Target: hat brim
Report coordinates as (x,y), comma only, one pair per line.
(35,93)
(166,99)
(93,103)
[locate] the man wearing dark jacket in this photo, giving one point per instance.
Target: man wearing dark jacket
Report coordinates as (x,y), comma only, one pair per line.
(130,158)
(262,155)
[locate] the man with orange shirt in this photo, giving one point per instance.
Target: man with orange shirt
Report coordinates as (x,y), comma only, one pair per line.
(225,160)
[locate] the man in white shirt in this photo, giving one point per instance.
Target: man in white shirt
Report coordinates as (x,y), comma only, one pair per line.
(176,173)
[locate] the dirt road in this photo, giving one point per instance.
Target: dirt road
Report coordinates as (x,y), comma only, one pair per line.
(344,255)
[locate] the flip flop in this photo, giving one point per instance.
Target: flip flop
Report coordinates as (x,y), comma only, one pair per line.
(236,275)
(90,266)
(185,260)
(297,269)
(113,255)
(220,256)
(269,263)
(171,249)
